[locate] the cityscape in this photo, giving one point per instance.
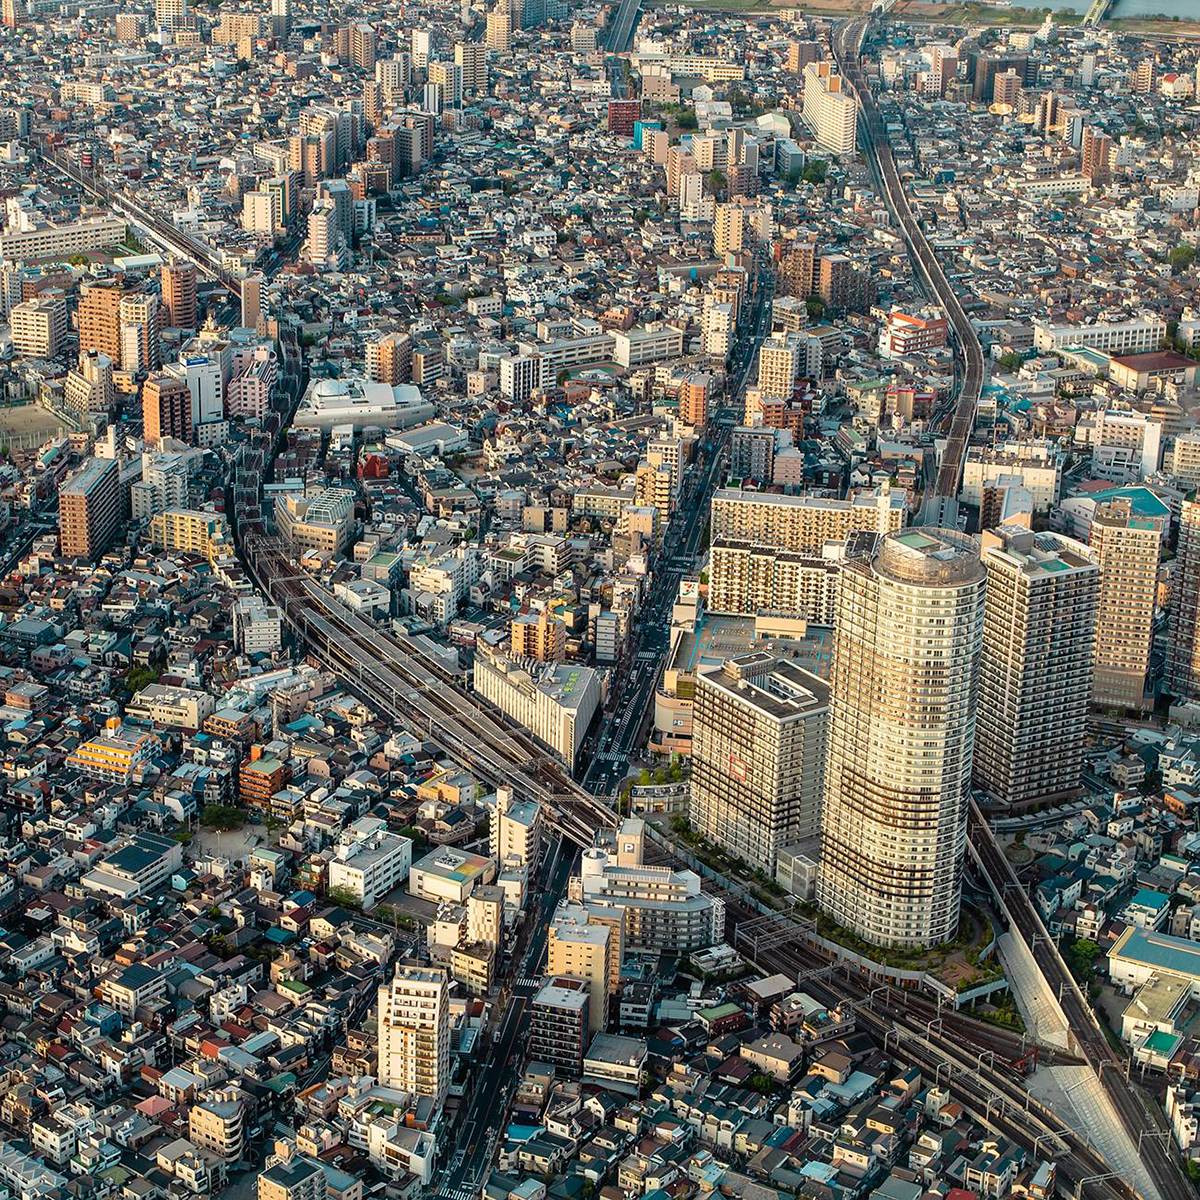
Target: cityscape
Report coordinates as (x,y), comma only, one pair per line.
(599,599)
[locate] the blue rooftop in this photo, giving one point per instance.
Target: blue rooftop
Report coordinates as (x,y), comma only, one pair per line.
(1176,954)
(1142,501)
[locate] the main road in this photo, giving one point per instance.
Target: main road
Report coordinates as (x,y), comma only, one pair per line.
(621,734)
(847,41)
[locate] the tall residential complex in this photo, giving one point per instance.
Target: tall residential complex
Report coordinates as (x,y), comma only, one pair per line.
(89,508)
(1183,646)
(758,755)
(587,950)
(178,281)
(414,1031)
(389,359)
(780,364)
(1127,547)
(99,317)
(830,109)
(39,326)
(803,523)
(1035,671)
(901,735)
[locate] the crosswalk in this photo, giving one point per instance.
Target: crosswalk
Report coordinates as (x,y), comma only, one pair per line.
(529,982)
(458,1193)
(611,756)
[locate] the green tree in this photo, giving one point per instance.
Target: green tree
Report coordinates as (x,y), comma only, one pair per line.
(343,897)
(1082,958)
(1010,362)
(815,171)
(815,307)
(1182,257)
(139,677)
(222,817)
(716,182)
(687,120)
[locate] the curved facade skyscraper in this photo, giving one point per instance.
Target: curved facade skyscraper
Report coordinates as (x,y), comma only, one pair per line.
(901,735)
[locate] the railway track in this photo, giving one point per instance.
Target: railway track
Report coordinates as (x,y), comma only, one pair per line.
(846,42)
(394,675)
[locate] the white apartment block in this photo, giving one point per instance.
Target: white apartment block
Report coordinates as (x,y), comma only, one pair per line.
(747,578)
(414,1031)
(1126,445)
(830,109)
(1135,336)
(659,908)
(369,862)
(759,727)
(257,627)
(1034,466)
(803,524)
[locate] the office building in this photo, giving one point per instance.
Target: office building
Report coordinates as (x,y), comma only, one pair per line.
(1035,670)
(1183,645)
(558,1025)
(39,326)
(89,509)
(413,1028)
(322,522)
(803,524)
(904,687)
(830,109)
(1126,547)
(759,727)
(178,282)
(554,701)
